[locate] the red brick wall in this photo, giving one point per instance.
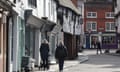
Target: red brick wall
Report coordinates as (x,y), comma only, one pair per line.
(100,17)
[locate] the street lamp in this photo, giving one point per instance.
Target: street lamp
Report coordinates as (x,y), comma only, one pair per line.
(89,32)
(81,35)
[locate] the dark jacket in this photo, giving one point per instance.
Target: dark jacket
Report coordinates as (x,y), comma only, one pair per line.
(61,52)
(98,45)
(44,50)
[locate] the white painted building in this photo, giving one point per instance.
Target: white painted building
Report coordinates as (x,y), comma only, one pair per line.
(34,20)
(27,28)
(80,5)
(117,19)
(16,35)
(69,18)
(43,19)
(117,14)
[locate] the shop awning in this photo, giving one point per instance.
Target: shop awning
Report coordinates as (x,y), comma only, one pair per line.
(35,21)
(69,4)
(43,25)
(48,26)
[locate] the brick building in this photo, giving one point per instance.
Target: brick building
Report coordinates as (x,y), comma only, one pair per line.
(99,23)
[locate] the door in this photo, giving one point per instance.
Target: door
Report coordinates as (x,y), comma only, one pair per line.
(87,41)
(93,38)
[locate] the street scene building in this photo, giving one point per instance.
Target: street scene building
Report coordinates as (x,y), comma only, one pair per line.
(99,23)
(24,24)
(116,11)
(28,23)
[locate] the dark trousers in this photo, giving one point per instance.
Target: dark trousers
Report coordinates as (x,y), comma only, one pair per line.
(45,63)
(99,49)
(61,64)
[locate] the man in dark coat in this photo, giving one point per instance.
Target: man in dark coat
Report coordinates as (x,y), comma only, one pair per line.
(97,45)
(44,52)
(60,54)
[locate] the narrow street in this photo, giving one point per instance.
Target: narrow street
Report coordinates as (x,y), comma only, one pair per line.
(95,63)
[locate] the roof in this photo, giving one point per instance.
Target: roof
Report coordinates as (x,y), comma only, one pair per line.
(69,4)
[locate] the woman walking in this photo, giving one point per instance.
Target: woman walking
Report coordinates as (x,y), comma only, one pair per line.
(44,52)
(60,54)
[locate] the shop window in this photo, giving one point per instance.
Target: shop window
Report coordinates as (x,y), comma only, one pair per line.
(93,38)
(108,39)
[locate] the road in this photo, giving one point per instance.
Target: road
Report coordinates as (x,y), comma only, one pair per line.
(97,63)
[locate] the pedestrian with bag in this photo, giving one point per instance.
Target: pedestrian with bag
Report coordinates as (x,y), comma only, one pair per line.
(60,54)
(44,52)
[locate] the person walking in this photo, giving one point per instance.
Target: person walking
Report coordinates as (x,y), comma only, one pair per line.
(44,52)
(97,45)
(60,54)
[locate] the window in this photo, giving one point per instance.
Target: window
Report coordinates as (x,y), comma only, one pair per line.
(109,15)
(108,39)
(92,26)
(110,26)
(91,15)
(32,3)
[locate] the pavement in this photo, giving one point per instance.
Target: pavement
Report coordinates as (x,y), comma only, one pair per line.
(68,63)
(89,61)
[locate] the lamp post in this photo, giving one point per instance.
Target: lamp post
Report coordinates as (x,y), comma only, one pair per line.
(81,35)
(89,32)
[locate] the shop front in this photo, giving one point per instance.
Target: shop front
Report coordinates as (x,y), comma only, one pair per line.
(109,41)
(37,29)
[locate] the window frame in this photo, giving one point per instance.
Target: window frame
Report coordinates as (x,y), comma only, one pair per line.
(110,15)
(110,26)
(91,25)
(91,14)
(108,39)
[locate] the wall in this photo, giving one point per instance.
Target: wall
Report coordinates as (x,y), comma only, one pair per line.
(37,47)
(100,17)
